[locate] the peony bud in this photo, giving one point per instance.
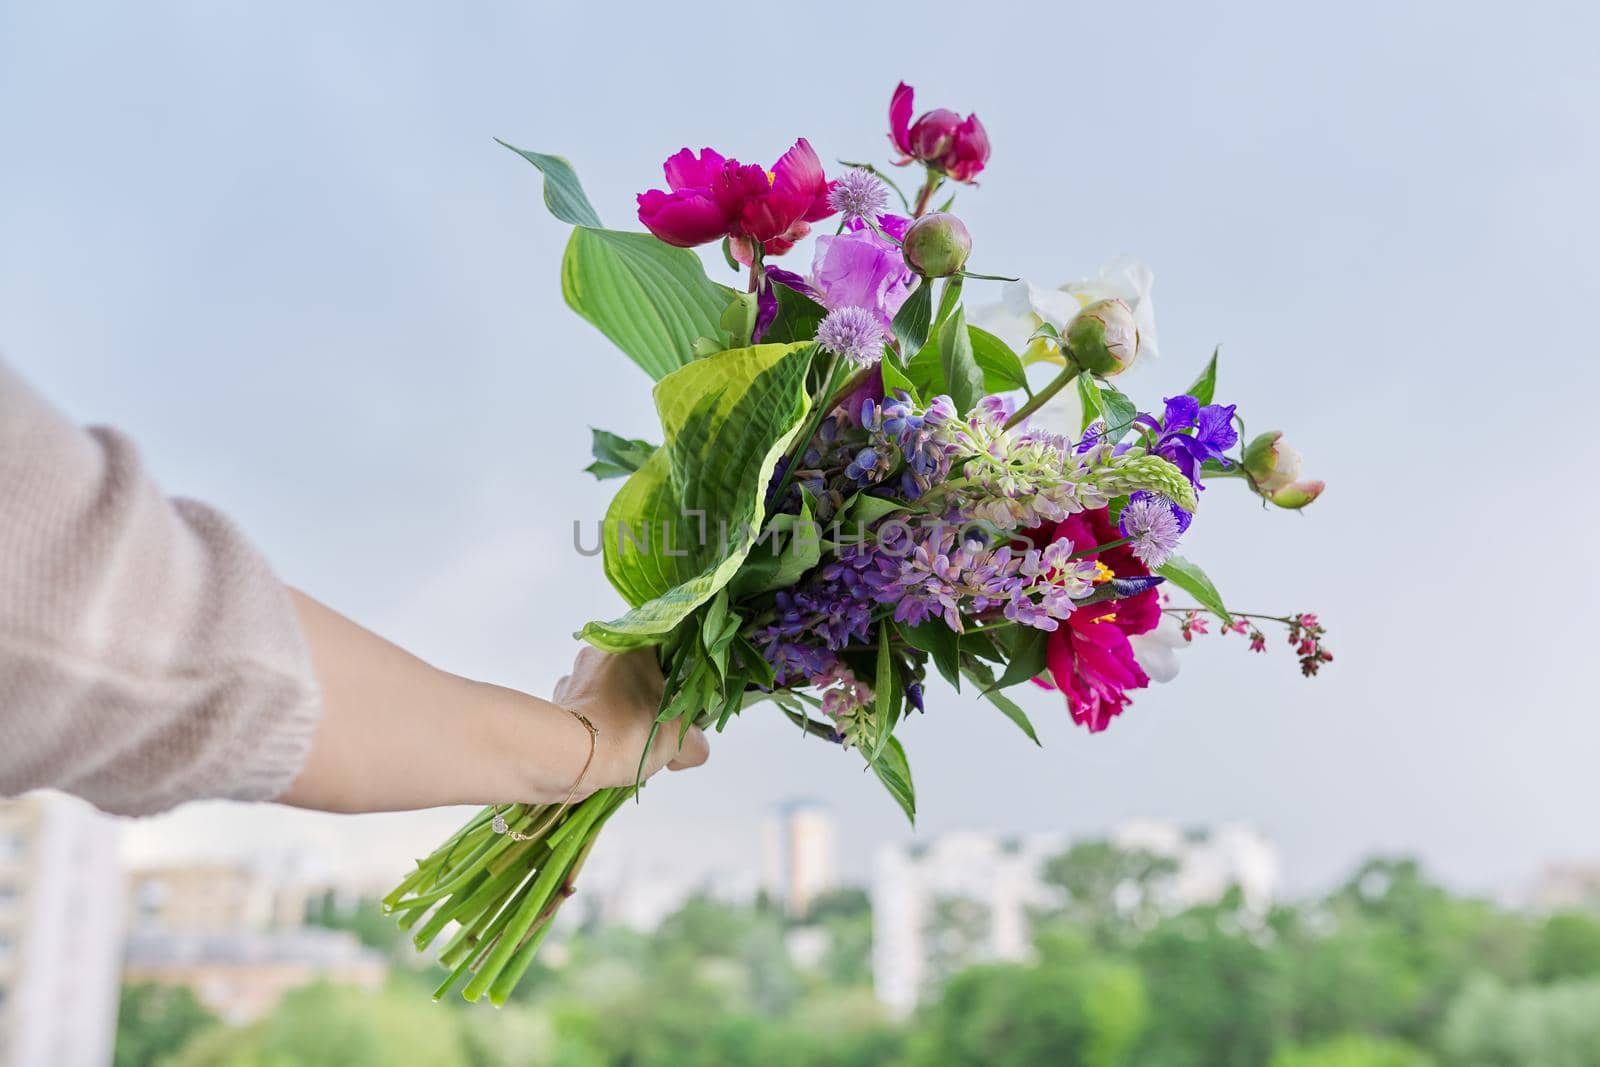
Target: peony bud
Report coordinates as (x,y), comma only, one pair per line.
(1271,464)
(937,245)
(1296,495)
(1102,338)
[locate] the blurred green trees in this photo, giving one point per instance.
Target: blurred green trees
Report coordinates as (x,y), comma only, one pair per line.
(1387,970)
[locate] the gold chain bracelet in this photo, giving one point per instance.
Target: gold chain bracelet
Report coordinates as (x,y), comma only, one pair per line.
(499,824)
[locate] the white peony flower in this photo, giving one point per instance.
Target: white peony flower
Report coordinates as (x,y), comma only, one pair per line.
(1157,651)
(1024,307)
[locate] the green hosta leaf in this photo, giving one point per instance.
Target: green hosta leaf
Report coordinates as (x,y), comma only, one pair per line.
(981,676)
(962,376)
(915,319)
(563,194)
(617,457)
(1192,580)
(939,642)
(1205,386)
(651,299)
(680,528)
(894,771)
(1002,370)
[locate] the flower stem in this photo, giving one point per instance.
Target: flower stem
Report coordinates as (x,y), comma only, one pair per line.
(929,187)
(1097,549)
(1285,619)
(1043,396)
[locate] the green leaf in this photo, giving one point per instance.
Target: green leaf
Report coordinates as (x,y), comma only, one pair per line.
(1014,712)
(915,318)
(894,771)
(1089,400)
(797,318)
(924,370)
(981,676)
(1192,580)
(1118,410)
(1025,657)
(962,376)
(679,529)
(786,549)
(1205,386)
(887,693)
(947,298)
(894,376)
(939,642)
(867,509)
(615,456)
(1002,370)
(738,320)
(563,193)
(651,299)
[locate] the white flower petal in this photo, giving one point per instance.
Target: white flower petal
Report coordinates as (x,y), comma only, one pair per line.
(1157,651)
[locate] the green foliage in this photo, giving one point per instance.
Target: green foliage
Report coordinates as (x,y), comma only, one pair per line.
(615,456)
(680,527)
(1567,946)
(914,320)
(154,1021)
(1548,1026)
(1194,581)
(1089,1013)
(652,300)
(963,378)
(563,193)
(330,1026)
(894,771)
(1204,388)
(1351,1051)
(1112,894)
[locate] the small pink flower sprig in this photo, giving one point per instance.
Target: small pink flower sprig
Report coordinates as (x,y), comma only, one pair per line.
(1305,632)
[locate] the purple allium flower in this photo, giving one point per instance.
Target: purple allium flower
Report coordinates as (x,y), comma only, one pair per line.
(858,194)
(1152,525)
(853,333)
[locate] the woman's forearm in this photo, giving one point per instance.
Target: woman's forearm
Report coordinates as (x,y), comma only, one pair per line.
(396,733)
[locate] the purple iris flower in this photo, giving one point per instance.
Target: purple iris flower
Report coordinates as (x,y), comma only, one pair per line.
(1188,434)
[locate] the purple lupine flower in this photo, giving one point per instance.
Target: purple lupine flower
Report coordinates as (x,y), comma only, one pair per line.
(854,333)
(858,194)
(1150,522)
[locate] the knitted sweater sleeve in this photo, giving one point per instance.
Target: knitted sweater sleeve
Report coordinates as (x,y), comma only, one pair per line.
(148,655)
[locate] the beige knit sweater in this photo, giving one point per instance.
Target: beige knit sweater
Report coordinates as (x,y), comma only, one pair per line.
(148,656)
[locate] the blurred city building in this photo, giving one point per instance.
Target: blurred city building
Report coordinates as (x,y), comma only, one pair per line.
(236,934)
(966,898)
(799,855)
(242,974)
(60,929)
(1566,887)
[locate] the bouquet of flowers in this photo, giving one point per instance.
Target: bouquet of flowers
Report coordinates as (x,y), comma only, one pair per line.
(854,483)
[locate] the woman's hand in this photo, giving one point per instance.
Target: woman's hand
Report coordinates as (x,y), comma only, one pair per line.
(398,734)
(620,695)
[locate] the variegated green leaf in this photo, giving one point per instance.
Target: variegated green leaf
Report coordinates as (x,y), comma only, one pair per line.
(682,525)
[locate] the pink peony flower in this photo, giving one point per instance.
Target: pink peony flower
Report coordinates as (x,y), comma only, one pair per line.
(709,197)
(1090,657)
(940,138)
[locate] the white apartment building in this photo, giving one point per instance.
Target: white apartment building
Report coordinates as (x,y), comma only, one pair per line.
(60,933)
(800,855)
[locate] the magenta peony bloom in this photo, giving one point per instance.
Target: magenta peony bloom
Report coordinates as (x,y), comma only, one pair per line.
(710,196)
(940,138)
(1089,656)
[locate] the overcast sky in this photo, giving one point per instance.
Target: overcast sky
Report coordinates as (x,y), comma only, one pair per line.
(278,245)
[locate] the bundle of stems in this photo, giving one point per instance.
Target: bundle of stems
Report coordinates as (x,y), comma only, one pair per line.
(501,890)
